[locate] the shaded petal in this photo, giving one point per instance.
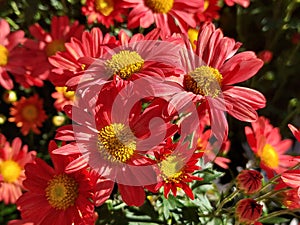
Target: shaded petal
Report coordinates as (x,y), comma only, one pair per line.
(132,195)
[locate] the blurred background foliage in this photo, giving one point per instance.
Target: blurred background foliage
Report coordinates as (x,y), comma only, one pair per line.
(272,25)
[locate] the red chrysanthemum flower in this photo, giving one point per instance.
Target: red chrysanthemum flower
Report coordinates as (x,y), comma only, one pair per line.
(63,97)
(248,211)
(115,143)
(13,58)
(249,181)
(67,64)
(173,16)
(62,197)
(137,57)
(291,199)
(295,131)
(175,166)
(105,12)
(13,158)
(209,75)
(244,3)
(47,44)
(266,143)
(210,11)
(28,113)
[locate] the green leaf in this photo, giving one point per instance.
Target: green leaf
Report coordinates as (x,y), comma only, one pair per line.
(166,208)
(275,220)
(203,203)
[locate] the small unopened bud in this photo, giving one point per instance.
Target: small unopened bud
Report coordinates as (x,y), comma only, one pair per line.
(248,211)
(58,120)
(249,181)
(10,96)
(2,119)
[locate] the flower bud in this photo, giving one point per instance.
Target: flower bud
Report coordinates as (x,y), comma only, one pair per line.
(265,56)
(9,96)
(249,181)
(248,211)
(58,120)
(2,119)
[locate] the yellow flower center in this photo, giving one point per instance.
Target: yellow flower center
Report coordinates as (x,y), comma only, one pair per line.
(204,80)
(125,63)
(10,171)
(116,142)
(62,191)
(193,36)
(160,6)
(55,46)
(171,169)
(30,113)
(269,156)
(105,7)
(67,94)
(206,4)
(3,55)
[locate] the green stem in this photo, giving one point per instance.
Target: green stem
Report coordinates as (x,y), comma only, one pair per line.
(239,24)
(269,194)
(271,181)
(132,219)
(225,200)
(292,55)
(278,213)
(290,8)
(289,117)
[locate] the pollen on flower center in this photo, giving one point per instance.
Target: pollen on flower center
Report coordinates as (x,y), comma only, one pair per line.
(3,55)
(55,46)
(160,6)
(104,6)
(269,156)
(204,80)
(171,169)
(10,170)
(206,4)
(125,63)
(30,113)
(67,94)
(116,142)
(62,191)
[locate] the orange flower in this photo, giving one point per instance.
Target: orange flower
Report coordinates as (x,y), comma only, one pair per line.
(28,114)
(248,211)
(13,158)
(249,181)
